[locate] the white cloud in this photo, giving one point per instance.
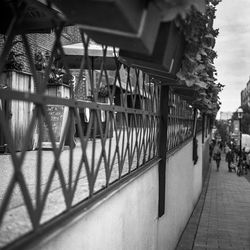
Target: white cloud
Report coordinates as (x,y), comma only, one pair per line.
(233,49)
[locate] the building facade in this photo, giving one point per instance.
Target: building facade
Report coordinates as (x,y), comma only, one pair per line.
(226,115)
(245,95)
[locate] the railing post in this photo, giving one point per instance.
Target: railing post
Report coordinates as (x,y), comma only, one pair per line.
(164,110)
(206,126)
(195,141)
(203,127)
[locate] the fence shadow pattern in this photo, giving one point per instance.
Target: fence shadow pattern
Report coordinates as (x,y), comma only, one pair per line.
(97,141)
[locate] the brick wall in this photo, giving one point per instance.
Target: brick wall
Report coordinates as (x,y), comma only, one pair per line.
(71,35)
(41,42)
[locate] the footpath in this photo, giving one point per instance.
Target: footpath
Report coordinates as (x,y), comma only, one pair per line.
(221,218)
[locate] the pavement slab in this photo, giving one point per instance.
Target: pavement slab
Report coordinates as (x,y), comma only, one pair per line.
(223,219)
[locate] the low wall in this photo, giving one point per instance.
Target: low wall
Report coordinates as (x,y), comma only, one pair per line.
(128,218)
(183,187)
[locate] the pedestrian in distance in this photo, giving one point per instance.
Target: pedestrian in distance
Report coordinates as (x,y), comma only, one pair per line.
(217,155)
(211,148)
(229,159)
(227,148)
(242,164)
(248,159)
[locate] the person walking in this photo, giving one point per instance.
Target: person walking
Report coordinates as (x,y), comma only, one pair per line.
(227,148)
(229,159)
(217,155)
(243,160)
(211,148)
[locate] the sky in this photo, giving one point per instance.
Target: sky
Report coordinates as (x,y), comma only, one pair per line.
(233,49)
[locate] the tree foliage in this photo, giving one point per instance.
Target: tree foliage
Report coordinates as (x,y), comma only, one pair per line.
(222,130)
(173,8)
(197,69)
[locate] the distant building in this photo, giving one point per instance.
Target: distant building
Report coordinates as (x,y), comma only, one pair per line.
(226,115)
(245,95)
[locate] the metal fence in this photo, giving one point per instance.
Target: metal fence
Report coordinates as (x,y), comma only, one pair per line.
(180,121)
(75,146)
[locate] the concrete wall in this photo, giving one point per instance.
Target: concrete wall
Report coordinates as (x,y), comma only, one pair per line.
(128,218)
(184,183)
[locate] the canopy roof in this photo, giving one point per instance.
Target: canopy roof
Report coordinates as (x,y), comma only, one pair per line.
(77,49)
(74,55)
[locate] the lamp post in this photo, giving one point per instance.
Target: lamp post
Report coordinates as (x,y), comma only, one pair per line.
(229,127)
(240,115)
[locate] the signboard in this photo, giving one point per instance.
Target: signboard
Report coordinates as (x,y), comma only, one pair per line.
(58,116)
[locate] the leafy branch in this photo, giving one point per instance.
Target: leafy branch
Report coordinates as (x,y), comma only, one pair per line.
(13,61)
(57,74)
(197,69)
(172,8)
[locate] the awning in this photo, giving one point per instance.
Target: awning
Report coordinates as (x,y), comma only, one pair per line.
(77,49)
(74,55)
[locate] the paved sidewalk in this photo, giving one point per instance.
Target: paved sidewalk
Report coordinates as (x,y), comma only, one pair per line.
(221,219)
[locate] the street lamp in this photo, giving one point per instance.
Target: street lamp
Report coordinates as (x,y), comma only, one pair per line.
(240,115)
(229,127)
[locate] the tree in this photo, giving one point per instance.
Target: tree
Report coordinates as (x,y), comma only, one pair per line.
(222,130)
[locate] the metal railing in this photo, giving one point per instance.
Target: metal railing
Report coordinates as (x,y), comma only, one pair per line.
(180,121)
